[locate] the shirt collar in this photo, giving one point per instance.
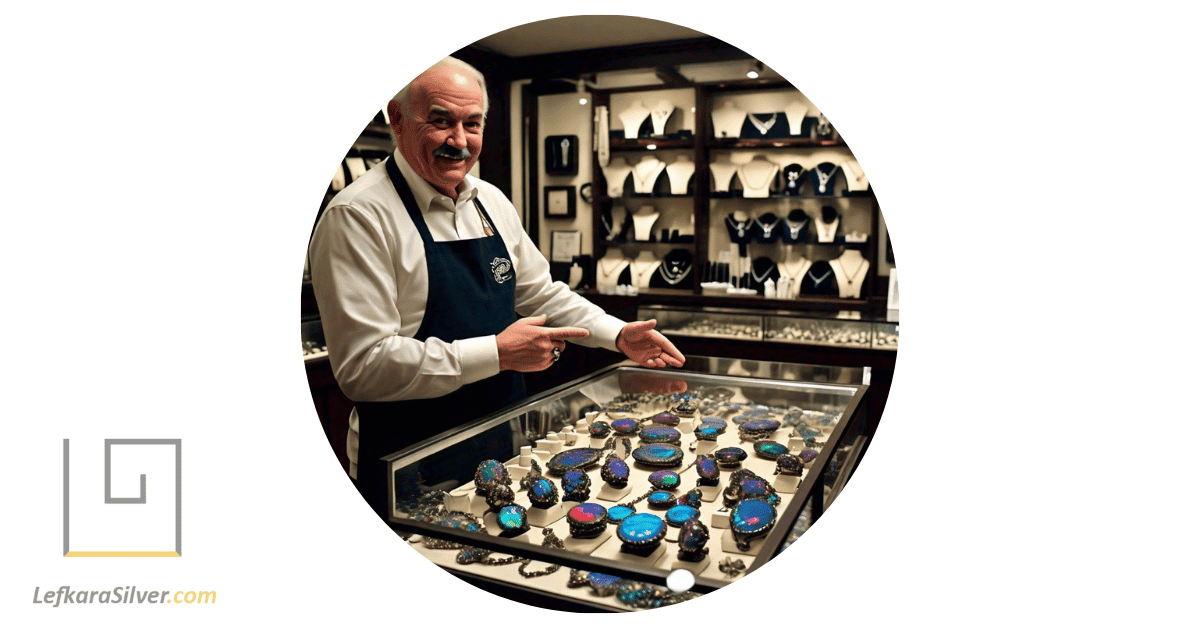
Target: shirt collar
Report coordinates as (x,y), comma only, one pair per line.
(425,194)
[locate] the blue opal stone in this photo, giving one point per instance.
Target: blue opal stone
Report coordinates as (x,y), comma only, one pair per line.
(715,420)
(641,529)
(806,432)
(587,513)
(542,489)
(752,515)
(730,456)
(709,432)
(760,426)
(665,479)
(665,418)
(602,580)
(615,471)
(619,513)
(490,470)
(660,435)
(691,498)
(625,426)
(808,455)
(511,517)
(679,514)
(599,429)
(658,455)
(660,499)
(693,537)
(769,449)
(574,480)
(706,467)
(573,459)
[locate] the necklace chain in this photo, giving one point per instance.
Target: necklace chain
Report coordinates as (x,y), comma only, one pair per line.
(850,277)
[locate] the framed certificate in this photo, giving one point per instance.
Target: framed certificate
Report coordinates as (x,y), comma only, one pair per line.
(565,245)
(560,201)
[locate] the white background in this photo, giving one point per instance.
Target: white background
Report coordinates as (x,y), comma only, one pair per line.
(1034,160)
(100,527)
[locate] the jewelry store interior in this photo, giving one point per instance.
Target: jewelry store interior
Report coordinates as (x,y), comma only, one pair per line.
(666,175)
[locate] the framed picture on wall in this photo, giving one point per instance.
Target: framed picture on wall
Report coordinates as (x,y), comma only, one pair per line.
(565,245)
(560,202)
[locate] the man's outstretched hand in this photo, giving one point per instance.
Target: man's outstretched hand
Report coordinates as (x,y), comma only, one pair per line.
(527,346)
(647,347)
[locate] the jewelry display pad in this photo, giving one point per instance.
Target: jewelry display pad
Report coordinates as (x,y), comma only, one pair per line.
(809,402)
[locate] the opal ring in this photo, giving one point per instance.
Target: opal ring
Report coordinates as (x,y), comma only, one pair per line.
(557,353)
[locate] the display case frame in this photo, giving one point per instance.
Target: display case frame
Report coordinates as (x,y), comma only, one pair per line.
(811,487)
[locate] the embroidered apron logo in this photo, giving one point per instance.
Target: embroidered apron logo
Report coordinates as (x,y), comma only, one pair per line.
(502,269)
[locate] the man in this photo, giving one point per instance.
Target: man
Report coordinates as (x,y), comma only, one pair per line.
(418,269)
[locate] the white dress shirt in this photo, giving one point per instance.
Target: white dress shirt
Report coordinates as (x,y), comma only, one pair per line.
(371,283)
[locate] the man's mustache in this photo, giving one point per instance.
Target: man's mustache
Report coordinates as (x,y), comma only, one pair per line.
(445,150)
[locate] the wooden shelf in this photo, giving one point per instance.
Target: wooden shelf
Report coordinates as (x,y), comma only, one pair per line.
(779,142)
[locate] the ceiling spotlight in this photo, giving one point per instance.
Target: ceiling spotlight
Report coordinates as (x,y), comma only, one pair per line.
(755,69)
(581,91)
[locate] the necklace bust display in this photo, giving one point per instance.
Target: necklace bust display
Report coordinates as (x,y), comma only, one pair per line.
(851,272)
(756,177)
(795,228)
(727,120)
(675,271)
(643,267)
(646,173)
(615,174)
(722,172)
(679,173)
(795,111)
(766,228)
(643,223)
(660,112)
(632,119)
(824,175)
(827,226)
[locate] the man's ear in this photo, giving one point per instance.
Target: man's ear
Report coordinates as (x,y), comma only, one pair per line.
(395,114)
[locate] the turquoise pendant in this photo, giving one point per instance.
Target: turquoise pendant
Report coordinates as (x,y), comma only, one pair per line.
(679,515)
(660,499)
(619,513)
(641,531)
(513,519)
(751,519)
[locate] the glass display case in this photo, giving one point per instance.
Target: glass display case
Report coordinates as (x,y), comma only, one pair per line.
(836,332)
(618,474)
(829,330)
(710,322)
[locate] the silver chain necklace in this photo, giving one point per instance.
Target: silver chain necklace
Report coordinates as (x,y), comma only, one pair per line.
(850,277)
(765,229)
(673,277)
(817,282)
(794,229)
(823,178)
(764,276)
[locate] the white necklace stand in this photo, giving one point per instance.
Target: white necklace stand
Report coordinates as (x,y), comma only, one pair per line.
(827,232)
(643,267)
(645,173)
(727,120)
(679,173)
(722,172)
(851,270)
(795,111)
(660,112)
(791,271)
(856,179)
(757,177)
(632,119)
(615,174)
(643,222)
(609,269)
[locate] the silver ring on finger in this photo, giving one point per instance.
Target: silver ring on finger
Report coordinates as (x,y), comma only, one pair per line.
(557,354)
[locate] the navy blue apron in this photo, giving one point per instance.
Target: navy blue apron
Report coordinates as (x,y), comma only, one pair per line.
(472,293)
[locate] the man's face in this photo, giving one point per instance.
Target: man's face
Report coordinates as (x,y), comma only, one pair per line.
(444,117)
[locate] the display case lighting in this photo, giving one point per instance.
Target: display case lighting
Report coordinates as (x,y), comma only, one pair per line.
(756,68)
